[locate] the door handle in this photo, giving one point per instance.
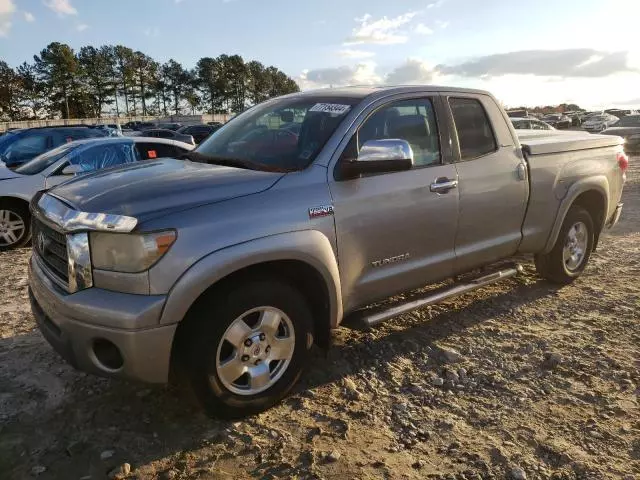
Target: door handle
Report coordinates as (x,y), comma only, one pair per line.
(443,185)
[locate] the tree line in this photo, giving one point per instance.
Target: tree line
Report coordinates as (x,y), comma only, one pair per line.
(116,80)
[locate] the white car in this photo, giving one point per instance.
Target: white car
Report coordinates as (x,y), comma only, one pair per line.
(598,123)
(18,186)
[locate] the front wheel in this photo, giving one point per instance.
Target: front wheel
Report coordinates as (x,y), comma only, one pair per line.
(15,226)
(248,347)
(571,252)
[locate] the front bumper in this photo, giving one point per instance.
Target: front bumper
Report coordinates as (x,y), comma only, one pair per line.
(76,325)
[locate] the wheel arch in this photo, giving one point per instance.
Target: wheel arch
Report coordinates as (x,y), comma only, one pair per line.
(304,259)
(592,195)
(11,199)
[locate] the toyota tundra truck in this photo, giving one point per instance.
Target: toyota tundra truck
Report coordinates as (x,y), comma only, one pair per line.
(229,264)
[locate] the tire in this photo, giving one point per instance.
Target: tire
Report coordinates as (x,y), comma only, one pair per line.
(15,225)
(563,267)
(254,304)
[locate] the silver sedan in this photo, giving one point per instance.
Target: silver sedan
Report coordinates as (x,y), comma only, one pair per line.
(18,186)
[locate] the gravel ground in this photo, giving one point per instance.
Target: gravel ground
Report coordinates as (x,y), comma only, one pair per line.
(518,380)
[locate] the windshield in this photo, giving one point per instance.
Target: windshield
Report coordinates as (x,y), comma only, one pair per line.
(286,133)
(630,121)
(599,118)
(44,161)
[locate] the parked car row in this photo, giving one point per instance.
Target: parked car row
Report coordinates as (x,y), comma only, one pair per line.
(17,187)
(530,124)
(193,134)
(628,128)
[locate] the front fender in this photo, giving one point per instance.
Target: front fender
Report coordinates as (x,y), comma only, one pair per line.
(309,246)
(597,183)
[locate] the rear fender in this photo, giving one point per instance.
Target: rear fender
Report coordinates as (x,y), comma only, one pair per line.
(309,246)
(598,184)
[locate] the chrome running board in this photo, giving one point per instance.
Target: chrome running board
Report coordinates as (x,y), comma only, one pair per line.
(440,295)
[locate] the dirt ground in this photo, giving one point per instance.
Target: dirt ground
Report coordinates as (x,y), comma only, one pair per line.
(545,383)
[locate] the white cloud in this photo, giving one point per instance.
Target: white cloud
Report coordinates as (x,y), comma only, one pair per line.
(28,16)
(364,73)
(61,7)
(356,54)
(436,4)
(442,24)
(82,27)
(570,62)
(384,31)
(413,71)
(7,8)
(422,29)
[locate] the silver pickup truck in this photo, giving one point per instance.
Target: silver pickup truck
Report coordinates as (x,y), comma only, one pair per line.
(299,212)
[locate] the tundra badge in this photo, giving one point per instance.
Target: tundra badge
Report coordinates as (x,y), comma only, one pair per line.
(321,211)
(387,261)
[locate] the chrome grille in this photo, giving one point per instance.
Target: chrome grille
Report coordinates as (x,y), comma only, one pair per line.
(51,247)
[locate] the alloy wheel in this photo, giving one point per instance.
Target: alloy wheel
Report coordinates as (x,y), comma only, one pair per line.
(255,350)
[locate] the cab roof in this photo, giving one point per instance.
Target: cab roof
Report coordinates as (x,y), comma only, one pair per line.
(381,91)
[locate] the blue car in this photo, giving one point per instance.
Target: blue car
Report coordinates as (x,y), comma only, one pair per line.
(20,146)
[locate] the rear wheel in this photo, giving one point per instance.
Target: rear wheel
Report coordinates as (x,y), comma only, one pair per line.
(248,347)
(571,252)
(15,226)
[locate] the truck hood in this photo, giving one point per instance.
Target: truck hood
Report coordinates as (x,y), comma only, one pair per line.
(150,189)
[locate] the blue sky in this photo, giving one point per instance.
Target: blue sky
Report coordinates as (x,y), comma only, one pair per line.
(544,51)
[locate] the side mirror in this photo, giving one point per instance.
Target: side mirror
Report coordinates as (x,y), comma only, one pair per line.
(379,156)
(72,170)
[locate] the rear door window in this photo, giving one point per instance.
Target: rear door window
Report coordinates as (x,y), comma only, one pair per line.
(475,135)
(151,151)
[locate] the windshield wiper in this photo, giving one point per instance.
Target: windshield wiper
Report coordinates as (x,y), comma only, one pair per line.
(230,162)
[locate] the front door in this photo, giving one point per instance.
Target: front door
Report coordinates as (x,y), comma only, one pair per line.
(493,187)
(393,232)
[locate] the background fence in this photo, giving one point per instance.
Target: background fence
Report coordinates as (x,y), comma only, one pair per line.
(184,119)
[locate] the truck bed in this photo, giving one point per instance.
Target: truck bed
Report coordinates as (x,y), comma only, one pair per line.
(556,162)
(554,141)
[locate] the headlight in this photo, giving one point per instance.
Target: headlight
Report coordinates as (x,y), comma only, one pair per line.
(129,253)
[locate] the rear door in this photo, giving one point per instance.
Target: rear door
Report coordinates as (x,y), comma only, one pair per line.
(492,179)
(393,232)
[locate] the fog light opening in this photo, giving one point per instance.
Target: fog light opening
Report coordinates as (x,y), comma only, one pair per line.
(107,354)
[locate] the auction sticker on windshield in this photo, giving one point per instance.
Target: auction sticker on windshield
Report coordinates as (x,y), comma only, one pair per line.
(333,108)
